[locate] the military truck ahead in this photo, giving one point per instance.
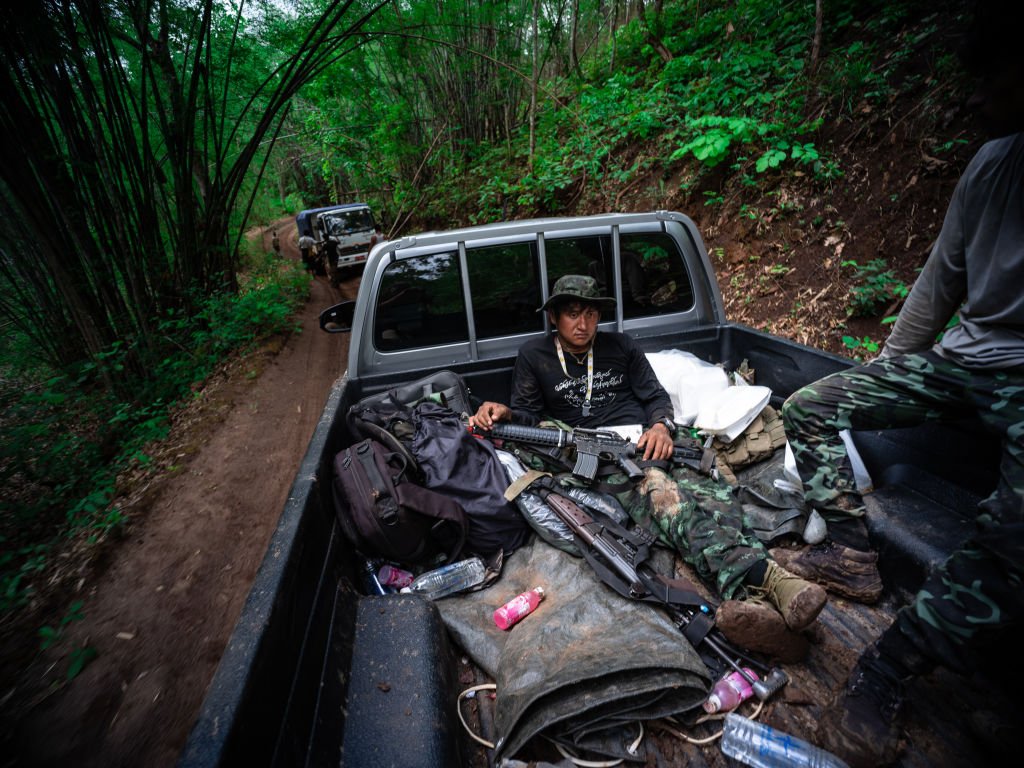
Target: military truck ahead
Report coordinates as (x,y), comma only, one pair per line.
(346,235)
(318,672)
(336,239)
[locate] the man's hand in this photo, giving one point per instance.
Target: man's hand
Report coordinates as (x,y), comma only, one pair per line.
(656,443)
(489,413)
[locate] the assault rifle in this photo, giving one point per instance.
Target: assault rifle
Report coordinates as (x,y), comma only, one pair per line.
(593,445)
(618,558)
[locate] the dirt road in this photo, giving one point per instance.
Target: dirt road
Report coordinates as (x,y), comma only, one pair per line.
(162,612)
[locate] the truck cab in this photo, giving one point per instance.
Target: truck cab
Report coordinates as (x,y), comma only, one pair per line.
(344,236)
(441,298)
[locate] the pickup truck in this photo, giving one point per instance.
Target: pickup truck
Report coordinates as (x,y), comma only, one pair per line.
(298,683)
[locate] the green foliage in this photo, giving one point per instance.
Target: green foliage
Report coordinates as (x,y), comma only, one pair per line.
(65,437)
(714,137)
(876,287)
(745,92)
(49,636)
(861,347)
(79,658)
(851,76)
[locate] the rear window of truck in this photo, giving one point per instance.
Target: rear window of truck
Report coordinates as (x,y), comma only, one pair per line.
(420,302)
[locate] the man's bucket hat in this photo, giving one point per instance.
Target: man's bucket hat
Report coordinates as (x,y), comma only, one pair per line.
(578,288)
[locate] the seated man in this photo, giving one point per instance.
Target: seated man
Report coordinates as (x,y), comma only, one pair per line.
(590,379)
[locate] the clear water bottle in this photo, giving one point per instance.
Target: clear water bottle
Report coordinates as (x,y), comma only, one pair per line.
(761,746)
(449,579)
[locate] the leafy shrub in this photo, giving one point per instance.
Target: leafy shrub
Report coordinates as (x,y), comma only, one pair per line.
(64,438)
(876,288)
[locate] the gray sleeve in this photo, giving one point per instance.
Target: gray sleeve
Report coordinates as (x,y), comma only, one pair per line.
(938,291)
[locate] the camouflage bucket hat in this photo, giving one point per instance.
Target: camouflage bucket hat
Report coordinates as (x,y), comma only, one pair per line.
(578,288)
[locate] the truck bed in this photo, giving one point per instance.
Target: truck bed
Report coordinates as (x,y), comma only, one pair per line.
(300,682)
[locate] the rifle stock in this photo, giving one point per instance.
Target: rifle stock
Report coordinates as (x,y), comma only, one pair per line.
(573,516)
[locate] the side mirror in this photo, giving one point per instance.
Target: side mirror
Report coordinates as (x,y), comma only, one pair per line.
(338,319)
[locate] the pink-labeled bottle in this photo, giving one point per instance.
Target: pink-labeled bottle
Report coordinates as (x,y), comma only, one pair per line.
(390,576)
(729,692)
(518,607)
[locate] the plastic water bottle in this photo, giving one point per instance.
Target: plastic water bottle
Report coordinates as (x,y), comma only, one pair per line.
(729,692)
(761,746)
(519,606)
(448,579)
(391,576)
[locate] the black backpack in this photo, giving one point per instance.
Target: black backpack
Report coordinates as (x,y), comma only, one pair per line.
(386,515)
(387,416)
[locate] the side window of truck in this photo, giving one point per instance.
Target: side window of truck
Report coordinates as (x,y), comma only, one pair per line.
(420,304)
(654,276)
(505,289)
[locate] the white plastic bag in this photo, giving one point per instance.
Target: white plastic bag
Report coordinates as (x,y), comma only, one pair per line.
(688,380)
(860,472)
(730,411)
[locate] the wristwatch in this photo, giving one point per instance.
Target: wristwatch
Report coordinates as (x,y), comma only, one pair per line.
(667,423)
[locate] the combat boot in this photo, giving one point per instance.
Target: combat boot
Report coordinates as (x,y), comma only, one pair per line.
(850,573)
(861,727)
(797,600)
(756,625)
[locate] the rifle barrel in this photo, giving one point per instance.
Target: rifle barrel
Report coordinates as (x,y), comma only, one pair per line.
(541,435)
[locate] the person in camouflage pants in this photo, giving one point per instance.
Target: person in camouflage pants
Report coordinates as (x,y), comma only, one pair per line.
(699,518)
(974,272)
(978,588)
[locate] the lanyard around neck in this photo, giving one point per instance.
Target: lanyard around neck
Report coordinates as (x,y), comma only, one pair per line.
(590,372)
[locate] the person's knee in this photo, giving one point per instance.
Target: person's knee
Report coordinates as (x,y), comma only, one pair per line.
(795,409)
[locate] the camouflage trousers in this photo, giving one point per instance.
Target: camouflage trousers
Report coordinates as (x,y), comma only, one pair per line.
(978,589)
(699,518)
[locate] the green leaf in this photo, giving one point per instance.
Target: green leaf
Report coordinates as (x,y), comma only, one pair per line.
(48,636)
(79,658)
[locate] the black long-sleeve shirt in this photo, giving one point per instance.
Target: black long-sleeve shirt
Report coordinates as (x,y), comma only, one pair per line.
(625,391)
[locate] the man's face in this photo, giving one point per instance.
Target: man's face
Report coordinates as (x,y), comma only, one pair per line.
(576,325)
(999,101)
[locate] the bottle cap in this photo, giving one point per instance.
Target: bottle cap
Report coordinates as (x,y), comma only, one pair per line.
(405,591)
(713,704)
(539,591)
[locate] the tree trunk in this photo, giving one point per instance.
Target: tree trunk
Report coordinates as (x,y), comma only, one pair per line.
(819,13)
(533,84)
(574,59)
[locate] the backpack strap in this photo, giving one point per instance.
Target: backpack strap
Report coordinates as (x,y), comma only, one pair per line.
(384,503)
(365,428)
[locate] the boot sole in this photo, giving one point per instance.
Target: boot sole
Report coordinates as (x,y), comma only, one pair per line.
(805,607)
(867,595)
